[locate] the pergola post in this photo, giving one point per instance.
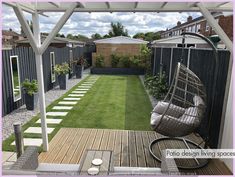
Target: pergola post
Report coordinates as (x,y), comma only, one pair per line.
(213,23)
(39,68)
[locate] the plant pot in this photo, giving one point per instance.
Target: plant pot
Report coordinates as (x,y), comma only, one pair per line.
(62,81)
(79,71)
(31,101)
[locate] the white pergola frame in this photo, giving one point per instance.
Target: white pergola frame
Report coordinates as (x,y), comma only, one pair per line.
(39,49)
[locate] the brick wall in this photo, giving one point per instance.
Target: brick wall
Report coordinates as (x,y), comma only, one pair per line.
(108,49)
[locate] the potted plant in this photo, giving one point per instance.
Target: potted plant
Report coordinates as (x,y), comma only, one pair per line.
(31,93)
(61,70)
(79,67)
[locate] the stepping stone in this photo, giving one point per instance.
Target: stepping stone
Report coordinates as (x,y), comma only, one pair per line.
(56,113)
(79,91)
(38,130)
(76,95)
(82,89)
(72,99)
(31,142)
(84,86)
(62,107)
(16,89)
(51,121)
(87,84)
(67,102)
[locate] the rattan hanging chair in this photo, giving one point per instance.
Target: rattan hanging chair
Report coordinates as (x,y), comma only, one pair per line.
(181,111)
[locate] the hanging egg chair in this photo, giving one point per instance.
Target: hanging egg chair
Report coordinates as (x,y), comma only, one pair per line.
(181,111)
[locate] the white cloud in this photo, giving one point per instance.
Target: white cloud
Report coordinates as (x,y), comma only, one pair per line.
(90,23)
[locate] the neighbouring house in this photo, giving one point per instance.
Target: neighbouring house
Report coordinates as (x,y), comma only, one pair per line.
(176,41)
(58,42)
(120,45)
(200,25)
(9,38)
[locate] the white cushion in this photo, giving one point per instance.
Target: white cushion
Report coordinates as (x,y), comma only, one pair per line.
(173,110)
(191,116)
(198,101)
(155,119)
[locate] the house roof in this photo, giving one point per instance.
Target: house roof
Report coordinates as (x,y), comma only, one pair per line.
(178,40)
(10,33)
(120,40)
(55,40)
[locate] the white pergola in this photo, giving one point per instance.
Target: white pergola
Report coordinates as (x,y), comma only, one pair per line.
(39,8)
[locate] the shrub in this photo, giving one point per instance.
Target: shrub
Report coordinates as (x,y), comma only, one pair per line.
(135,61)
(114,60)
(99,62)
(145,55)
(30,87)
(125,60)
(62,68)
(157,85)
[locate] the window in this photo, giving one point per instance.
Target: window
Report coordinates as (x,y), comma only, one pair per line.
(186,45)
(207,26)
(193,28)
(52,60)
(198,27)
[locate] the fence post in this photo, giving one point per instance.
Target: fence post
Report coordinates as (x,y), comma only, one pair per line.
(154,61)
(18,139)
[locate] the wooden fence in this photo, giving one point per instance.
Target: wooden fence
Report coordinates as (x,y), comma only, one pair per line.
(202,63)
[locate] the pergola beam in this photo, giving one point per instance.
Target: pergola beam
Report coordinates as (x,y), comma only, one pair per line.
(136,5)
(57,28)
(163,5)
(25,26)
(56,4)
(212,22)
(107,4)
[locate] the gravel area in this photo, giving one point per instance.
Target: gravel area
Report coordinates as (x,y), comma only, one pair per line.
(151,98)
(23,115)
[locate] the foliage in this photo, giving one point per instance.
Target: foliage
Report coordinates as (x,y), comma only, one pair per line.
(115,60)
(125,60)
(99,62)
(149,36)
(96,36)
(81,61)
(77,37)
(157,85)
(117,29)
(145,55)
(30,87)
(135,61)
(62,68)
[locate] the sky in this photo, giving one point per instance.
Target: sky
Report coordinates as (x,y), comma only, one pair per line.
(89,23)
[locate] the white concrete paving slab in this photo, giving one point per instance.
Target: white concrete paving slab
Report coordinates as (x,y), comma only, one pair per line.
(79,92)
(76,95)
(72,99)
(84,86)
(62,107)
(7,156)
(31,142)
(82,89)
(49,167)
(89,82)
(51,121)
(38,130)
(67,102)
(56,113)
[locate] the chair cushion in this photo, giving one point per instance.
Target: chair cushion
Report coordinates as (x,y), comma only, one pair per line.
(191,116)
(198,101)
(155,119)
(173,110)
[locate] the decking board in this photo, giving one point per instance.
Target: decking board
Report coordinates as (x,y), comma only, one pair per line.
(129,148)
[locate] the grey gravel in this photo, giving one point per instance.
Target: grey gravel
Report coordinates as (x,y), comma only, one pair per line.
(151,98)
(23,115)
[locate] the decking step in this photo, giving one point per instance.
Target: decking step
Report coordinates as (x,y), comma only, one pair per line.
(49,167)
(56,113)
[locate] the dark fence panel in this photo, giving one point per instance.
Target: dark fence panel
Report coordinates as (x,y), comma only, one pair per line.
(27,66)
(88,50)
(202,63)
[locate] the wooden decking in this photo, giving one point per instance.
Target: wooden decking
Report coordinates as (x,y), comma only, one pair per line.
(130,148)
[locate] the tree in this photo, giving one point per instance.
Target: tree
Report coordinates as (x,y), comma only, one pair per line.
(139,36)
(149,36)
(117,29)
(70,36)
(96,36)
(106,36)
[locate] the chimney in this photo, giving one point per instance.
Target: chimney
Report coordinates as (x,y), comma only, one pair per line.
(189,19)
(178,23)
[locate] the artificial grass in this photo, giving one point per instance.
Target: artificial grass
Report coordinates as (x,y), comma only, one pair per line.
(113,102)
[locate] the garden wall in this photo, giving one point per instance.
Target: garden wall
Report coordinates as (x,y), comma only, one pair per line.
(120,49)
(201,62)
(27,66)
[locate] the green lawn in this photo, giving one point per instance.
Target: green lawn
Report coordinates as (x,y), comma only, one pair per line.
(113,102)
